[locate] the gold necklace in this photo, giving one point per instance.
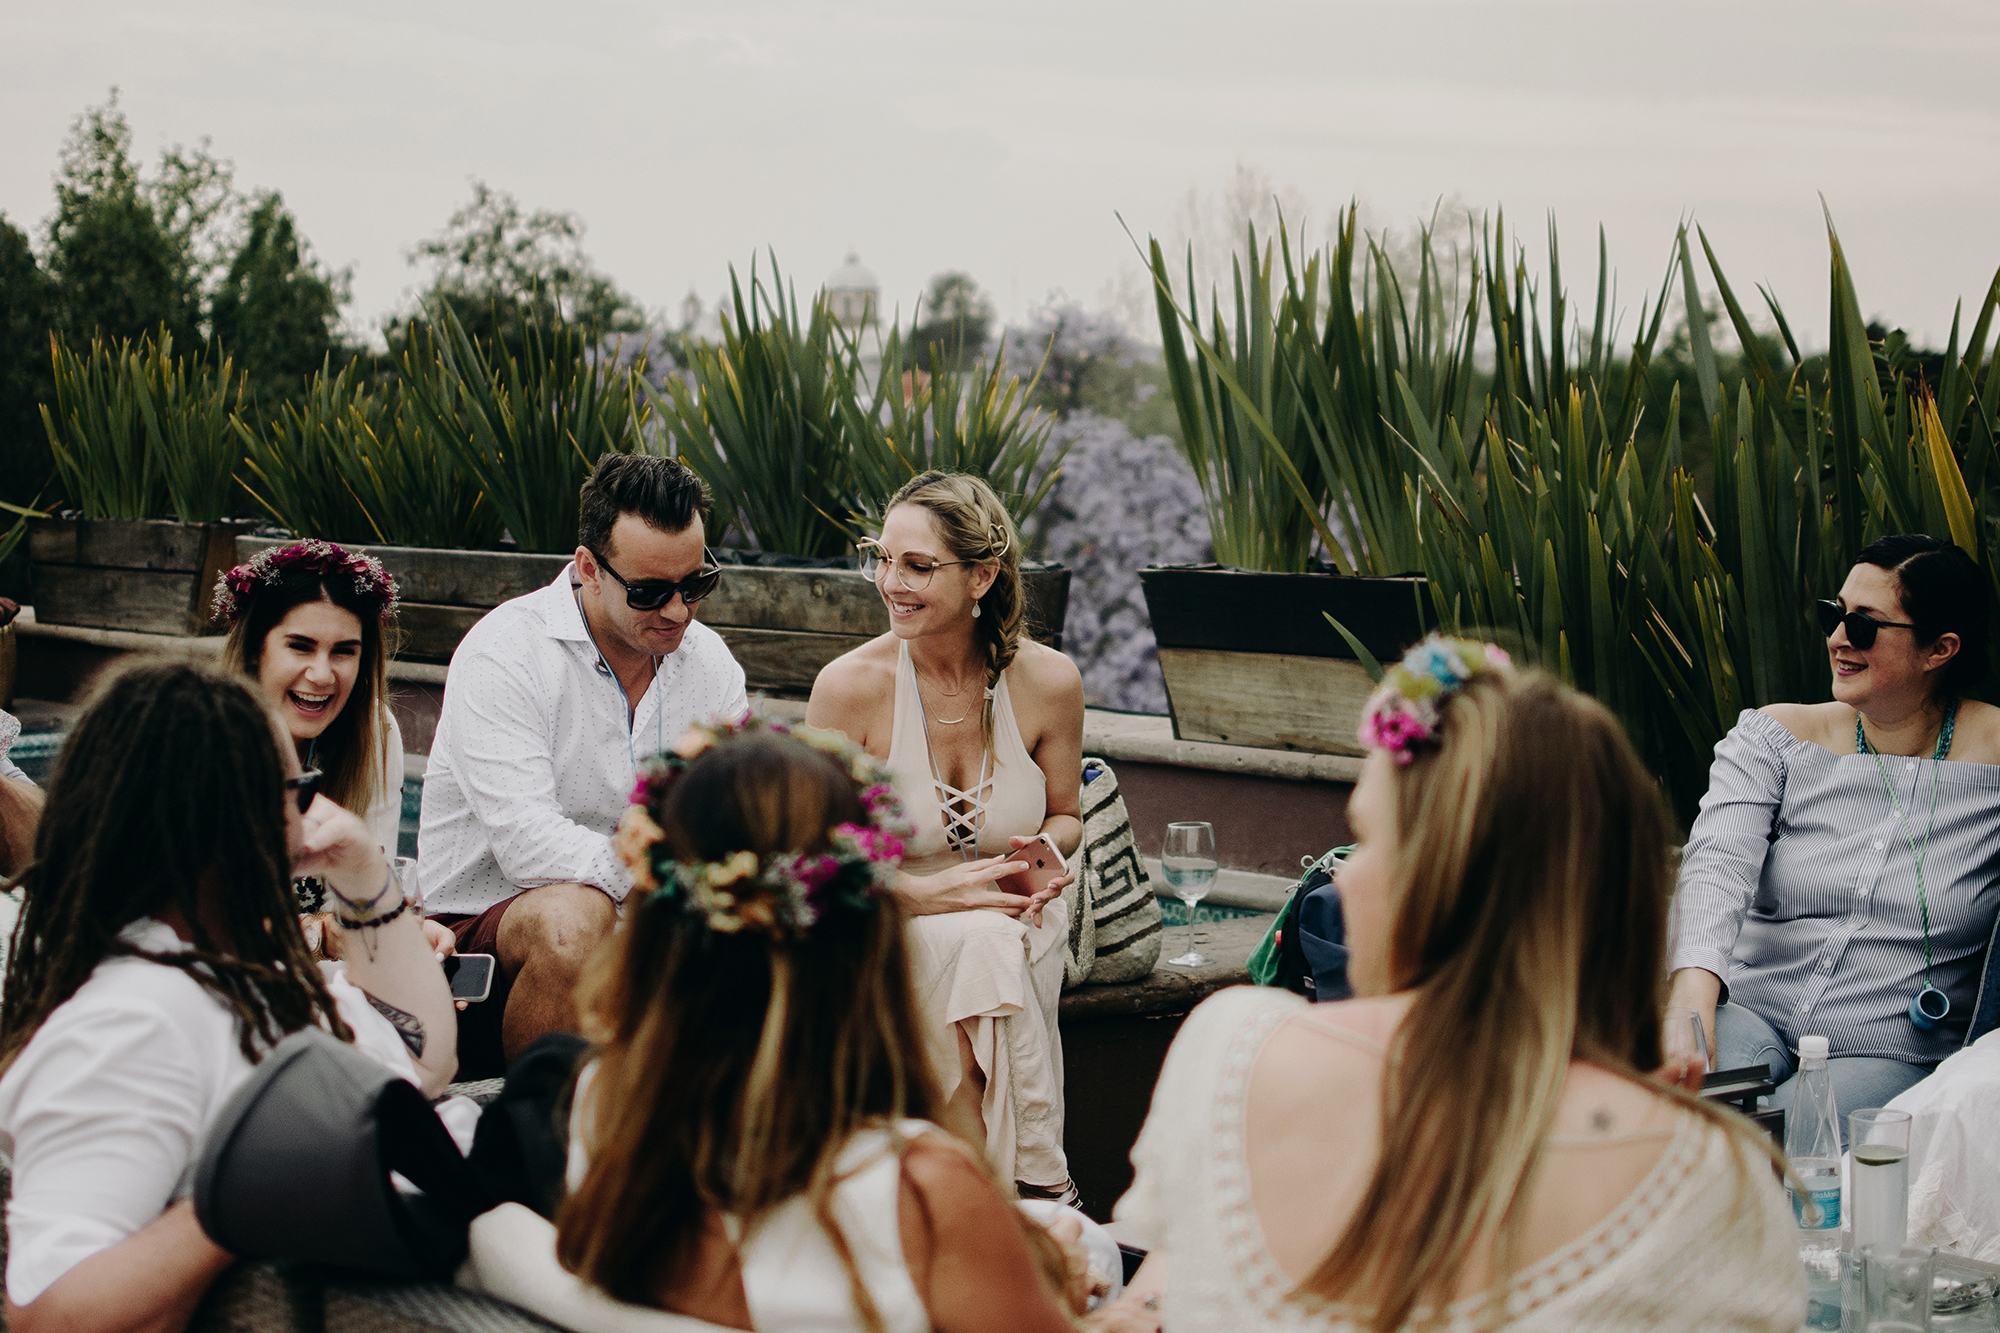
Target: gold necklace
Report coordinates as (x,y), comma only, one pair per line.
(949,694)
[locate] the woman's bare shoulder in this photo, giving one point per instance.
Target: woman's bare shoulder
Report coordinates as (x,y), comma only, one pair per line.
(1975,736)
(1816,724)
(859,673)
(1048,673)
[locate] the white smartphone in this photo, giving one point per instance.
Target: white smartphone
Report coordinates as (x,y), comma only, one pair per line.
(1045,863)
(470,975)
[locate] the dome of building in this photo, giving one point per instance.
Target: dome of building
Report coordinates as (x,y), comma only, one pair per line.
(853,294)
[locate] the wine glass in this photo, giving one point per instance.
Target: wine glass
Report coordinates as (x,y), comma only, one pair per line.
(1188,861)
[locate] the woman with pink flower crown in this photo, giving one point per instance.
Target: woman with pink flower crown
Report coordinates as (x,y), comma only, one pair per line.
(1479,1139)
(308,623)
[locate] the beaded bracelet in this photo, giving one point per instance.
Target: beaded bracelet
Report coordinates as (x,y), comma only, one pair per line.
(364,912)
(373,922)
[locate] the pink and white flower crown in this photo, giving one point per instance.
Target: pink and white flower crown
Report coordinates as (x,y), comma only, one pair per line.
(781,895)
(324,558)
(1405,710)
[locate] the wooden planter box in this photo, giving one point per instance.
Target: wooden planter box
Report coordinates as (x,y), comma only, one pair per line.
(1250,660)
(783,625)
(155,576)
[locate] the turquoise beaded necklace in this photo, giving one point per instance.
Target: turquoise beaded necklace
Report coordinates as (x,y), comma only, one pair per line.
(1929,998)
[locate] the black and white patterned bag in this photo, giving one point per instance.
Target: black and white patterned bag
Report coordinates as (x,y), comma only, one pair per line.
(1114,919)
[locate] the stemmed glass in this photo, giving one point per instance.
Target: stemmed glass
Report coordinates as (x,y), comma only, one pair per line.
(1188,861)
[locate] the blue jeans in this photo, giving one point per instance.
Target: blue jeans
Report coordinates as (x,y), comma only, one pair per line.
(1859,1081)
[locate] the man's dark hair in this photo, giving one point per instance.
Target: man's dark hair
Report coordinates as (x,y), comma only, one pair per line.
(659,490)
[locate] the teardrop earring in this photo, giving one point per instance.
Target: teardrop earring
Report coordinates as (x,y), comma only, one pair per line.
(975,610)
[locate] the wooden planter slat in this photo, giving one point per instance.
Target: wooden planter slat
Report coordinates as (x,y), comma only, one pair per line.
(447,577)
(156,544)
(1239,610)
(1277,701)
(824,601)
(155,576)
(430,633)
(779,659)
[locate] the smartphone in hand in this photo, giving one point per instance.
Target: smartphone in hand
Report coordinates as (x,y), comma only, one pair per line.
(1045,863)
(470,975)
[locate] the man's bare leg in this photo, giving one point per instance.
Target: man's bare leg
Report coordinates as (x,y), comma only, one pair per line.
(545,939)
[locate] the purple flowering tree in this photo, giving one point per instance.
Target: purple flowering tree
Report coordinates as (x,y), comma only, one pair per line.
(1122,503)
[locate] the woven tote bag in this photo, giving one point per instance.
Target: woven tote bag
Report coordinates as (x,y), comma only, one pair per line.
(1114,919)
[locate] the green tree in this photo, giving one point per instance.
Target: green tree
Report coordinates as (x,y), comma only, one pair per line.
(277,307)
(27,308)
(118,272)
(953,324)
(494,265)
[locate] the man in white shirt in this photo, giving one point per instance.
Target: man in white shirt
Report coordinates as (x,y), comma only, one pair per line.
(554,700)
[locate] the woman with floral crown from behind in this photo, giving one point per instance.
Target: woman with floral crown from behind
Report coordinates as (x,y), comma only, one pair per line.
(752,1144)
(1475,1140)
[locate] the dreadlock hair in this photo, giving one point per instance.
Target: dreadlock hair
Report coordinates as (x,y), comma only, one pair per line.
(168,794)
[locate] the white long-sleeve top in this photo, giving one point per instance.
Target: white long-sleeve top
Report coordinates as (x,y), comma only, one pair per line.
(110,1100)
(537,750)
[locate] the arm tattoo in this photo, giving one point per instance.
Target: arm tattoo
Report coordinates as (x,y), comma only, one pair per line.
(408,1026)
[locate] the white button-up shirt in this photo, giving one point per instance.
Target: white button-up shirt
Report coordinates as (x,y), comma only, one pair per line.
(537,750)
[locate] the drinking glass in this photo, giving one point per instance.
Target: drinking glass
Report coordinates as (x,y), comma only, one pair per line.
(1684,1036)
(406,880)
(1188,861)
(1896,1287)
(1878,1144)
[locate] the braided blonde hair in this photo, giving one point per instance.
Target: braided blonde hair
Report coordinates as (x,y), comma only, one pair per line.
(975,526)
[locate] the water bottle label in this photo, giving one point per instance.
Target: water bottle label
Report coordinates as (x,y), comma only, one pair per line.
(1828,1200)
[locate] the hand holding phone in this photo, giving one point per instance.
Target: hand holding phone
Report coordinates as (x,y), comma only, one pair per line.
(1045,864)
(470,975)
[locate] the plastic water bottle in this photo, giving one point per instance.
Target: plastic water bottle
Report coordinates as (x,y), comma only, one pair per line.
(1812,1142)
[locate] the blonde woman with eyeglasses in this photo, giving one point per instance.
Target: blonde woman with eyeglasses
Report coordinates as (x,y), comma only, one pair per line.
(983,731)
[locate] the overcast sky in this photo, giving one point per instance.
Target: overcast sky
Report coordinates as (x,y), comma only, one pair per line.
(1004,139)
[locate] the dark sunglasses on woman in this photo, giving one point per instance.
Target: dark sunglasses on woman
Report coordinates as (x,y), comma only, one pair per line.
(651,595)
(1861,629)
(304,787)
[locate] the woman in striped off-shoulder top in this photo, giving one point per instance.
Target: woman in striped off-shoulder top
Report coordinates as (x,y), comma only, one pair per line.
(1844,872)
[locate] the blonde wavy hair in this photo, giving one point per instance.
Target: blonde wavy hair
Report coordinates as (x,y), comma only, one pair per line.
(1530,891)
(975,526)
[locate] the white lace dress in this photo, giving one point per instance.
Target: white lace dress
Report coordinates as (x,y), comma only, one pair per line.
(1670,1257)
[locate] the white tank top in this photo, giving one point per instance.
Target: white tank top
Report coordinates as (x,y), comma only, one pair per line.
(1010,799)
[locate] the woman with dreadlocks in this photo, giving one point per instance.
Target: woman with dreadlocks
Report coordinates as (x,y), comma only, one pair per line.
(752,1144)
(157,958)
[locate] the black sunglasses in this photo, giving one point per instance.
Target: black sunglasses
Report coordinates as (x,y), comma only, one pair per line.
(652,595)
(306,785)
(1860,628)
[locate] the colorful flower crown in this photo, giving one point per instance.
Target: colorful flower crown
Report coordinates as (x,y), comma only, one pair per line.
(232,590)
(783,894)
(1403,713)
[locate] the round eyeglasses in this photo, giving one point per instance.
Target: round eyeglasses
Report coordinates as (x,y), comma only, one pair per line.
(913,571)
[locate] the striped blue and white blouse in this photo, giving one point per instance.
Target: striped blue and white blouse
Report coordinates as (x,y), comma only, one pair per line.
(1799,890)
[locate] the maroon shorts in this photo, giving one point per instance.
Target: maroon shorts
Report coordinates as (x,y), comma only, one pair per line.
(480,1054)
